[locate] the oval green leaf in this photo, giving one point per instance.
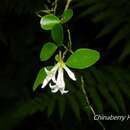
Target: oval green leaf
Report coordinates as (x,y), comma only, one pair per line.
(67,15)
(83,58)
(48,21)
(57,34)
(39,79)
(47,51)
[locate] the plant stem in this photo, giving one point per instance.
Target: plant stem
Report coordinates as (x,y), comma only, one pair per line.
(55,7)
(70,41)
(88,103)
(67,4)
(68,48)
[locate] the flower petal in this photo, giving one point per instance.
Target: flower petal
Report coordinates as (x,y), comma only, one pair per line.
(52,86)
(60,78)
(55,90)
(63,91)
(50,75)
(69,72)
(46,70)
(54,69)
(46,81)
(54,78)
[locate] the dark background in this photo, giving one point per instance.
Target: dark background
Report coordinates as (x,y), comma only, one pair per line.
(21,39)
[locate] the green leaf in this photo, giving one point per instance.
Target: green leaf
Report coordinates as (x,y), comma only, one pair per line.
(47,51)
(109,27)
(93,9)
(91,89)
(74,106)
(39,79)
(125,52)
(103,16)
(61,103)
(101,84)
(86,3)
(121,34)
(67,15)
(58,34)
(51,106)
(112,86)
(48,21)
(83,58)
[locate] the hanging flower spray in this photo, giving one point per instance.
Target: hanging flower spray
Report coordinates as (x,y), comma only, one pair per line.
(53,75)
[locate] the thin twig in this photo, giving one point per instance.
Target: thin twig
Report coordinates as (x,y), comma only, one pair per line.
(88,103)
(67,4)
(65,52)
(37,14)
(68,48)
(55,7)
(42,11)
(69,37)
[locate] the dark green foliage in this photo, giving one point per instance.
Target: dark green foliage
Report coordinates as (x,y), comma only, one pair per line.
(106,85)
(114,15)
(24,7)
(57,34)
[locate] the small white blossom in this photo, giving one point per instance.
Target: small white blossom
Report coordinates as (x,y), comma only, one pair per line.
(58,81)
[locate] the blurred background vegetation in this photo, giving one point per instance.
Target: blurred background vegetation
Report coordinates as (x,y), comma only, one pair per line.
(103,25)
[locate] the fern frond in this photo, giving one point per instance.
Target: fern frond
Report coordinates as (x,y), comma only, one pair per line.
(74,105)
(86,3)
(24,7)
(121,34)
(114,15)
(93,93)
(109,27)
(105,88)
(125,52)
(93,9)
(61,105)
(114,90)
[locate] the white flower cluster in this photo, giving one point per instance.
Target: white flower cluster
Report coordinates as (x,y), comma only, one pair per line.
(58,81)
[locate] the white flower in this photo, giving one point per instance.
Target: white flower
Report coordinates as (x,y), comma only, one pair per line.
(58,81)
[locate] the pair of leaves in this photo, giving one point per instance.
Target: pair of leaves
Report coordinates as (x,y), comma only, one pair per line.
(49,48)
(47,22)
(53,23)
(57,32)
(80,59)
